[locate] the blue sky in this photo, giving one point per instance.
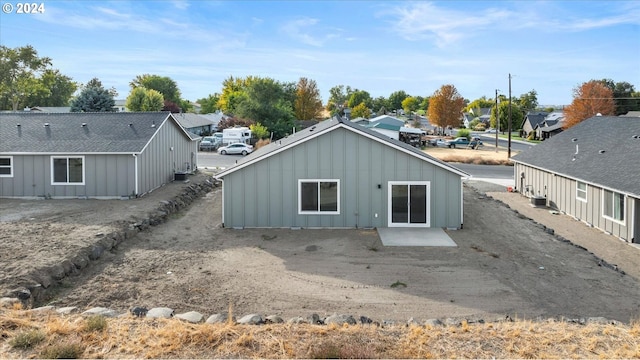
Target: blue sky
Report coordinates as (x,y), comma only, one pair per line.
(380,47)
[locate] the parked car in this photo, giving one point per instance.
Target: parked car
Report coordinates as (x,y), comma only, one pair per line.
(491,131)
(463,141)
(206,145)
(236,148)
(441,143)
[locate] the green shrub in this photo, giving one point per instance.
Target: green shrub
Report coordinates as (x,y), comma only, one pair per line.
(27,339)
(464,133)
(95,323)
(63,351)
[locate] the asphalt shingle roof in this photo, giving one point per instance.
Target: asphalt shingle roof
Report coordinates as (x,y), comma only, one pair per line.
(604,152)
(327,125)
(189,120)
(102,133)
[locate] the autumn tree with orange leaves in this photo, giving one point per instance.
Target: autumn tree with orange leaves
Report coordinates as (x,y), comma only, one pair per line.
(589,99)
(445,107)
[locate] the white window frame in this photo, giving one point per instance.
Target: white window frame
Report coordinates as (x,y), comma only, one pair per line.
(613,200)
(10,174)
(318,212)
(581,192)
(390,222)
(84,166)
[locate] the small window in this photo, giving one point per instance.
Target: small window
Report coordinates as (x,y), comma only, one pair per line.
(319,196)
(613,205)
(581,191)
(67,170)
(6,166)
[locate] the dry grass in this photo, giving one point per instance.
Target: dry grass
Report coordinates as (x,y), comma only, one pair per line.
(483,156)
(131,337)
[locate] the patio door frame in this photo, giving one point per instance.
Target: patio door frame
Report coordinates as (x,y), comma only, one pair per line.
(390,185)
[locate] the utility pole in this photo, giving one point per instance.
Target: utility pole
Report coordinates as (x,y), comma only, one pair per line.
(497,120)
(509,146)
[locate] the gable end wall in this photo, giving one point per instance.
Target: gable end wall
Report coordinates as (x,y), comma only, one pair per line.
(265,194)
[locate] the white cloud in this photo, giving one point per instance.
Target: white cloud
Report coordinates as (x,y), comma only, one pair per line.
(181,4)
(444,26)
(300,30)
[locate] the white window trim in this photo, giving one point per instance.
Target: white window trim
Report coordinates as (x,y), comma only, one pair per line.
(624,209)
(84,166)
(10,174)
(390,223)
(578,191)
(300,212)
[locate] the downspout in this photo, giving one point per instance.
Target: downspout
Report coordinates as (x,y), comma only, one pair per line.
(461,203)
(135,172)
(222,202)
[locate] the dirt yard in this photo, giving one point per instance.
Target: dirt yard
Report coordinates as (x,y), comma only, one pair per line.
(504,265)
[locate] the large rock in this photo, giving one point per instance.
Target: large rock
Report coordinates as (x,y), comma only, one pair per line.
(297,320)
(67,310)
(251,319)
(273,319)
(191,316)
(220,318)
(139,311)
(101,311)
(161,312)
(433,322)
(9,301)
(340,319)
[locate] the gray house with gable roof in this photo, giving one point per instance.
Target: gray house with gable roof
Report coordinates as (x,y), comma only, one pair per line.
(589,171)
(337,174)
(91,155)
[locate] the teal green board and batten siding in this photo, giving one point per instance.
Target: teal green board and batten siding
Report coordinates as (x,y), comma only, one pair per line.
(168,152)
(265,194)
(110,175)
(561,195)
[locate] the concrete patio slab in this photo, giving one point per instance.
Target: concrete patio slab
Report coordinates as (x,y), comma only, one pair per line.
(415,237)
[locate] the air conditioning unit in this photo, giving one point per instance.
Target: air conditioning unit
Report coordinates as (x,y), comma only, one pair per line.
(538,201)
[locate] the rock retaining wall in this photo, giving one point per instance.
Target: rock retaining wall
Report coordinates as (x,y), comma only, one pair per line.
(33,288)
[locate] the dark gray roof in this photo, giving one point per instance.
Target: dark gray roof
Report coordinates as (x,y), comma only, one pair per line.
(190,121)
(615,168)
(114,132)
(535,118)
(330,125)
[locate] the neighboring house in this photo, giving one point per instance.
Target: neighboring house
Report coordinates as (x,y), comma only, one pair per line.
(197,108)
(360,121)
(548,128)
(91,155)
(120,105)
(386,125)
(50,109)
(392,131)
(195,123)
(590,172)
(341,175)
(215,118)
(484,117)
(531,120)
